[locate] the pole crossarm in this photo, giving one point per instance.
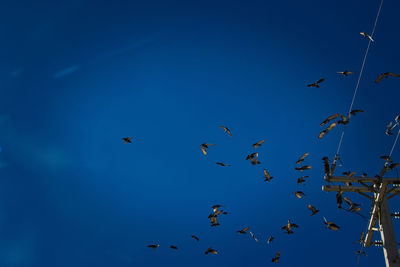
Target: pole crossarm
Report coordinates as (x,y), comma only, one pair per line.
(358,189)
(354,179)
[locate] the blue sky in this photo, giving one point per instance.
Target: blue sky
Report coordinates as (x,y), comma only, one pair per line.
(77,76)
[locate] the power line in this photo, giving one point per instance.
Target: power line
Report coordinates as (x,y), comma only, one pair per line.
(359,77)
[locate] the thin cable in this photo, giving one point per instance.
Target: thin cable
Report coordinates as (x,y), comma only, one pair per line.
(359,76)
(394,144)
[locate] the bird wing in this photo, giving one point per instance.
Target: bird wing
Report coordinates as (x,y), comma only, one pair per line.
(302,158)
(245,229)
(321,134)
(355,111)
(204,150)
(348,201)
(334,116)
(330,127)
(266,173)
(195,237)
(320,80)
(394,74)
(379,78)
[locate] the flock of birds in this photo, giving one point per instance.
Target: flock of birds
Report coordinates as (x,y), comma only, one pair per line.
(289,227)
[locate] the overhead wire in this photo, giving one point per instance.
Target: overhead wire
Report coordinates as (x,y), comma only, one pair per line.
(358,81)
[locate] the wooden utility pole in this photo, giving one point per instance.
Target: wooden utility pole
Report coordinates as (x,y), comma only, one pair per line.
(382,190)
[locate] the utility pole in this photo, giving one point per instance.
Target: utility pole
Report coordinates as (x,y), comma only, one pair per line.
(382,190)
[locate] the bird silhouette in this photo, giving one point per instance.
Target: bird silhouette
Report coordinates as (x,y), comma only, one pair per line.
(332,117)
(302,168)
(331,225)
(127,139)
(386,75)
(277,257)
(316,84)
(299,194)
(313,209)
(289,226)
(226,130)
(256,145)
(345,72)
(252,235)
(204,147)
(211,250)
(252,156)
(223,164)
(301,159)
(267,176)
(153,246)
(367,36)
(243,231)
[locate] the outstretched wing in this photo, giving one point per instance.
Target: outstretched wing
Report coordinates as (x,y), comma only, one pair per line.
(302,158)
(334,116)
(379,78)
(393,74)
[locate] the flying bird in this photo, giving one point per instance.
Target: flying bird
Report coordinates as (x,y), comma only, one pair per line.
(267,176)
(226,130)
(127,139)
(332,117)
(301,180)
(243,231)
(354,207)
(301,159)
(255,145)
(302,168)
(330,127)
(393,165)
(252,235)
(288,227)
(367,35)
(339,199)
(276,258)
(213,220)
(174,247)
(153,246)
(386,75)
(389,128)
(361,240)
(223,164)
(270,239)
(299,194)
(211,250)
(195,238)
(204,147)
(345,72)
(255,161)
(326,166)
(252,156)
(331,225)
(313,209)
(355,111)
(316,84)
